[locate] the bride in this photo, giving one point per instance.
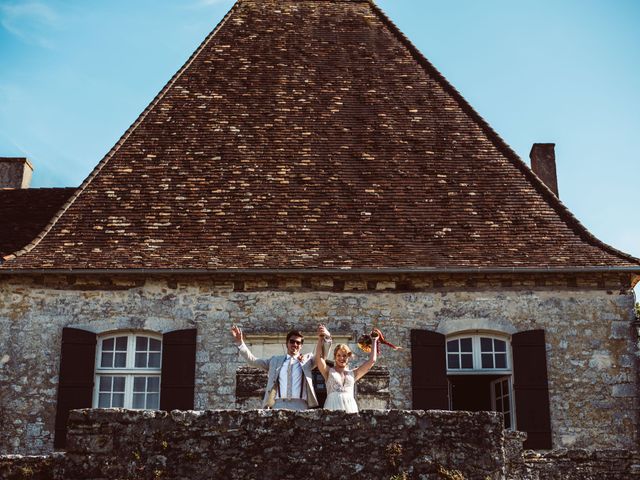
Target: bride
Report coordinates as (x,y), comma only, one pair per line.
(339,379)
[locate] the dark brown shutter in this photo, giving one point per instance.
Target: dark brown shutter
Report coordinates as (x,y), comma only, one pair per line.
(531,388)
(75,385)
(178,370)
(429,371)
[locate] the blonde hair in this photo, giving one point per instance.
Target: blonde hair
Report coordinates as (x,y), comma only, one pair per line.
(342,347)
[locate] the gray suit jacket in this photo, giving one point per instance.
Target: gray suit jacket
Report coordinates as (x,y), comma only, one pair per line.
(273,365)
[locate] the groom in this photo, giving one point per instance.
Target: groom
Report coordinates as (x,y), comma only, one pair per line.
(289,383)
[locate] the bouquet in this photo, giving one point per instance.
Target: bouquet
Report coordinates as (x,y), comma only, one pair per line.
(365,341)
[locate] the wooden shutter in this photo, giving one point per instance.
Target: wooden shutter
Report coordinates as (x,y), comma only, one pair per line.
(531,388)
(429,371)
(178,370)
(75,385)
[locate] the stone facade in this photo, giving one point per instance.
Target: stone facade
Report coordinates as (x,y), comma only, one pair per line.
(587,320)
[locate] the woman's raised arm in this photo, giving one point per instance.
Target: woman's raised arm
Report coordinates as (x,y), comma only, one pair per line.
(321,363)
(373,356)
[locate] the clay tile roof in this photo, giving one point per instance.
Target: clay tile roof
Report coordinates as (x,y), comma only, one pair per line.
(311,134)
(25,212)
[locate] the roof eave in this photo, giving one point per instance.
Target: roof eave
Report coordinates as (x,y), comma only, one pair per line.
(321,271)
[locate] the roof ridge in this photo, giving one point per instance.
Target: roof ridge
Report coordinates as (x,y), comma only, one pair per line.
(563,212)
(121,140)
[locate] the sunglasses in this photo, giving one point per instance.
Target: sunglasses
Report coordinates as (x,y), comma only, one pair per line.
(296,342)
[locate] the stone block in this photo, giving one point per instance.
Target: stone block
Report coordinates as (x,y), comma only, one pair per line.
(621,330)
(624,390)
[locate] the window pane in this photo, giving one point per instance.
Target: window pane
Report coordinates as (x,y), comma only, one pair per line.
(154,360)
(153,384)
(467,361)
(120,360)
(104,400)
(507,420)
(452,346)
(500,346)
(138,400)
(107,360)
(118,400)
(105,384)
(487,360)
(139,384)
(501,360)
(465,345)
(107,344)
(497,391)
(118,384)
(141,360)
(141,344)
(154,345)
(153,401)
(121,344)
(486,345)
(454,361)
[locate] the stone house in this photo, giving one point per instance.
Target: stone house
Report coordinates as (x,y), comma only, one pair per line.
(307,164)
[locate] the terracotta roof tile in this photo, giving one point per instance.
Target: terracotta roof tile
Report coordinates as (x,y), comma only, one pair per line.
(25,212)
(312,134)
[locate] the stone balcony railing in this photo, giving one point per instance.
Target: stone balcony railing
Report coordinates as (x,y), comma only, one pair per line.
(283,444)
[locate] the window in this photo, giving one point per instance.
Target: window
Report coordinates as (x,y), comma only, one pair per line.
(128,368)
(448,372)
(477,353)
(479,374)
(501,399)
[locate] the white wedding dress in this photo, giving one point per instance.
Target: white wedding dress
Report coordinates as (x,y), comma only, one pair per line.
(340,391)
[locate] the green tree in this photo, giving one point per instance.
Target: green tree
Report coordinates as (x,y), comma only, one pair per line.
(638,310)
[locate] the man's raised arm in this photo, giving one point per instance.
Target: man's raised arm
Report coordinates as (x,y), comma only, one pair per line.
(238,339)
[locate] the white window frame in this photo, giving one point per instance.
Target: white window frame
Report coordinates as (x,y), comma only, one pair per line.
(504,373)
(130,371)
(477,354)
(512,404)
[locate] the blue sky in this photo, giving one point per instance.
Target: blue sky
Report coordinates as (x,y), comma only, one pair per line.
(76,73)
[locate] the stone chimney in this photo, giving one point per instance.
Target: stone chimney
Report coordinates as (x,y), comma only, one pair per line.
(543,164)
(15,172)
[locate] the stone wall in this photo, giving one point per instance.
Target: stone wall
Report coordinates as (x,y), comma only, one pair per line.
(587,319)
(40,467)
(581,464)
(283,444)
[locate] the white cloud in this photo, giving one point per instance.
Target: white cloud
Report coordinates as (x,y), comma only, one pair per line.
(29,21)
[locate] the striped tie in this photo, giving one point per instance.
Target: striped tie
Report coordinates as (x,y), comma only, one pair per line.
(289,379)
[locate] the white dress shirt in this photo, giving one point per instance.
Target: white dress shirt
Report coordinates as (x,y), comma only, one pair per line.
(297,377)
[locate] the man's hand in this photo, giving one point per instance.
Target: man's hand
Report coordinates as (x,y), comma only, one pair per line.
(237,334)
